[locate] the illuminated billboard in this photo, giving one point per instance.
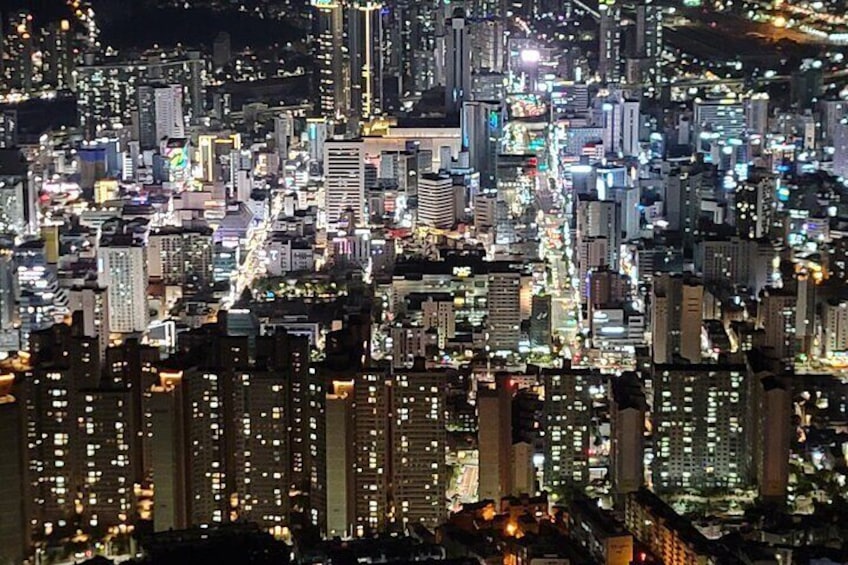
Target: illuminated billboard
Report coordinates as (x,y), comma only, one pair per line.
(176,154)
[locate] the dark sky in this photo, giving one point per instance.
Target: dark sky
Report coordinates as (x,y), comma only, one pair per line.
(51,10)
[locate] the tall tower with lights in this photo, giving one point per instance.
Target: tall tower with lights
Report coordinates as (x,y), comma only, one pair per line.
(331,79)
(364,36)
(609,39)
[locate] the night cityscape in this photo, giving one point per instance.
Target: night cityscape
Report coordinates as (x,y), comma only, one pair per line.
(448,282)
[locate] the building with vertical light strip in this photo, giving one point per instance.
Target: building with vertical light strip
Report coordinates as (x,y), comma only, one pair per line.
(365,35)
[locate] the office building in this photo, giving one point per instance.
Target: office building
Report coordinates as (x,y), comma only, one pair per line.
(41,303)
(755,205)
(503,323)
(482,128)
(717,122)
(436,203)
(344,180)
(457,60)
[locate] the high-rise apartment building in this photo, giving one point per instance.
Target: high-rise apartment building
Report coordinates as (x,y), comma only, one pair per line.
(181,257)
(419,441)
(700,426)
(8,129)
(676,318)
(494,441)
(107,92)
(122,269)
(568,426)
(168,108)
(14,537)
(627,429)
(372,443)
(340,454)
(770,423)
(108,464)
(777,315)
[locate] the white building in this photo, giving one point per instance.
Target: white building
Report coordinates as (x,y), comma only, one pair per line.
(436,201)
(835,326)
(344,179)
(122,269)
(168,104)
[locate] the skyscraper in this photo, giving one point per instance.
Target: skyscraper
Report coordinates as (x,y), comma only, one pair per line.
(482,128)
(365,35)
(332,78)
(8,129)
(372,451)
(340,454)
(627,429)
(457,61)
(609,39)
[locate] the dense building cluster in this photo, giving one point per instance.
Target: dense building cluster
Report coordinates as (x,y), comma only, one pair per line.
(532,283)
